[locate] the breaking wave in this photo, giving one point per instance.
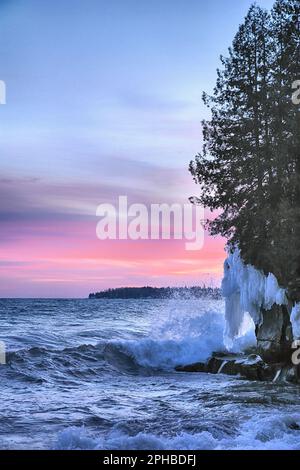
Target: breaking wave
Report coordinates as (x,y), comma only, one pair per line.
(279,432)
(174,339)
(183,341)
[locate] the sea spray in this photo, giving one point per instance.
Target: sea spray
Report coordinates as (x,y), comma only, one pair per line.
(74,365)
(186,331)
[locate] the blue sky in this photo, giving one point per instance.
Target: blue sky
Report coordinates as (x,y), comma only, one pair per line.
(103,99)
(111,78)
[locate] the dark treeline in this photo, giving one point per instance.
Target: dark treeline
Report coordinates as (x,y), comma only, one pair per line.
(157,293)
(250,163)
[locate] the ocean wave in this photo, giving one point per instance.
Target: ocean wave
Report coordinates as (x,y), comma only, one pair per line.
(184,340)
(278,432)
(176,340)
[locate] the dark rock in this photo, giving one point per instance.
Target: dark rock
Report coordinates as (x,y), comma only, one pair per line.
(229,368)
(196,367)
(274,336)
(250,367)
(254,368)
(214,364)
(291,374)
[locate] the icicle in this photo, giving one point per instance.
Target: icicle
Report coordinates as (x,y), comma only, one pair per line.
(277,375)
(295,320)
(222,367)
(247,290)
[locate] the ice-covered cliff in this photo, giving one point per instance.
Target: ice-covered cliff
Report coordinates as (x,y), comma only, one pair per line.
(249,291)
(295,320)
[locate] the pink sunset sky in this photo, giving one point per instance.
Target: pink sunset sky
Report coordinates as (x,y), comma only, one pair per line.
(49,246)
(103,101)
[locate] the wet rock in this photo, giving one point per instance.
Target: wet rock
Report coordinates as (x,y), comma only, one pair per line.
(250,367)
(291,374)
(196,367)
(229,367)
(254,368)
(274,336)
(270,361)
(214,364)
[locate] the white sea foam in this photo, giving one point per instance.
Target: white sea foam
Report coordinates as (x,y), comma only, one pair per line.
(171,411)
(189,332)
(276,432)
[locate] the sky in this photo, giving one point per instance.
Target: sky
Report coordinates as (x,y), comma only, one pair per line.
(103,99)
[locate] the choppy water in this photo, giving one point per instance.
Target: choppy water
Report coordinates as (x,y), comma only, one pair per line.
(100,374)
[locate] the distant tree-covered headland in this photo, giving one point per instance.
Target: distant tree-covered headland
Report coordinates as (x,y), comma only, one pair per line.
(250,163)
(157,293)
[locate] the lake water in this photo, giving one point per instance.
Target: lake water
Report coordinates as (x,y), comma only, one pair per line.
(86,374)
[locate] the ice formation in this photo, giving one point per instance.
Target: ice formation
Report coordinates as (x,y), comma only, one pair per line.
(247,290)
(295,320)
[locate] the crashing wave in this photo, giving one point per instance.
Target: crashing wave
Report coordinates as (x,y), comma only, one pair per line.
(277,432)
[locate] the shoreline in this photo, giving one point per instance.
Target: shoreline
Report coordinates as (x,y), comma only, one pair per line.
(249,367)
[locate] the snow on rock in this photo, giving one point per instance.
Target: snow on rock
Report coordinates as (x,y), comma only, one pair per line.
(247,290)
(295,320)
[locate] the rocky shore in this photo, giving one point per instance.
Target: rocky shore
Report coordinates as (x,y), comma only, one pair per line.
(271,360)
(250,367)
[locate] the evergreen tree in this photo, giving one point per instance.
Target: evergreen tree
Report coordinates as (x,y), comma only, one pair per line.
(249,166)
(285,30)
